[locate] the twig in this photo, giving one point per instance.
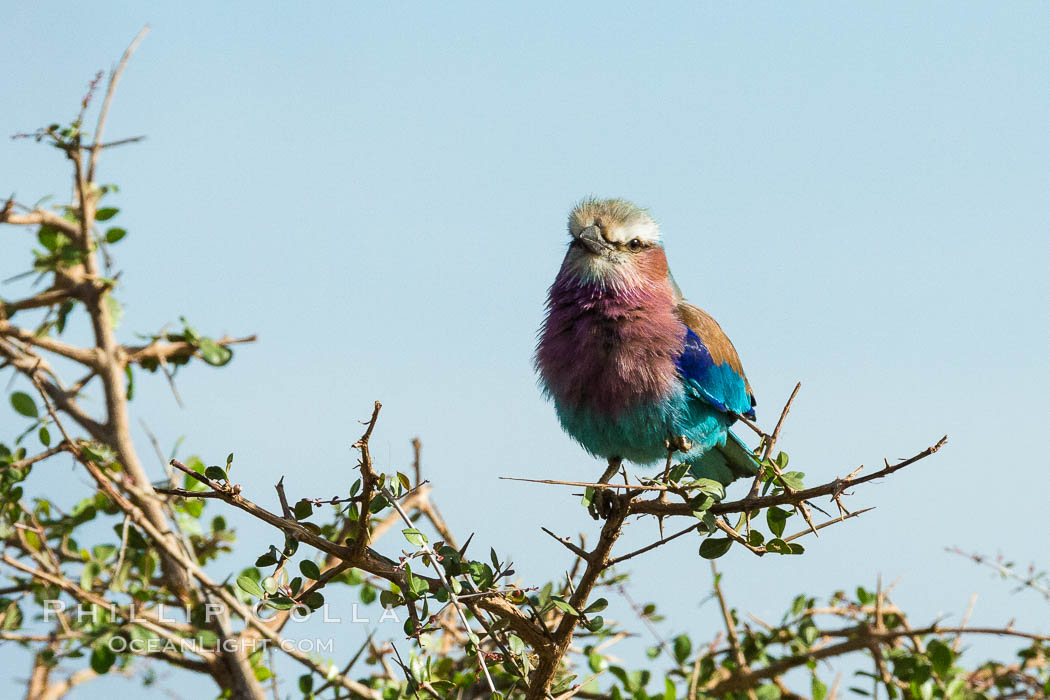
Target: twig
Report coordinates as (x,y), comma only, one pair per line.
(569,545)
(730,625)
(829,523)
(284,499)
(649,547)
(114,78)
(965,620)
(830,488)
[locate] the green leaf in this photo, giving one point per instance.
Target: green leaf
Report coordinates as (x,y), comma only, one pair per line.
(404,481)
(51,238)
(213,353)
(269,584)
(517,646)
(102,552)
(793,480)
(564,606)
(417,586)
(250,586)
(940,657)
(115,234)
(314,600)
(562,685)
(267,559)
(45,437)
(102,657)
(755,538)
(303,509)
(24,404)
(818,690)
(767,692)
(597,606)
(88,574)
(280,602)
(130,393)
(189,331)
(106,213)
(414,536)
(776,519)
(116,311)
(683,646)
(306,684)
(710,487)
(378,503)
(310,569)
(215,473)
(713,548)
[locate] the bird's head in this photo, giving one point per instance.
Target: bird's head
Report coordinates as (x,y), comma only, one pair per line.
(614,242)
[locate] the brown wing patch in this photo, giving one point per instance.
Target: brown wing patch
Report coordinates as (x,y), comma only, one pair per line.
(712,335)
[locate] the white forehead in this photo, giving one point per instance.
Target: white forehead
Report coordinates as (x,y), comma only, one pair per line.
(641,227)
(621,221)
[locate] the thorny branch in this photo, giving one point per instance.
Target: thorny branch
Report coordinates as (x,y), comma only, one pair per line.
(103,447)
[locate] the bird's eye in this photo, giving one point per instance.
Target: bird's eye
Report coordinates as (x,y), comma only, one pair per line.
(635,244)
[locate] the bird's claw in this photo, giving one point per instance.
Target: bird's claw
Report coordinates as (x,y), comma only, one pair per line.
(604,502)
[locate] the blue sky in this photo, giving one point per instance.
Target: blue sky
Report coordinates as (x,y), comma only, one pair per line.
(859,194)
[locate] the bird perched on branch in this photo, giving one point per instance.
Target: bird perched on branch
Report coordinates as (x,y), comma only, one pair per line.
(635,371)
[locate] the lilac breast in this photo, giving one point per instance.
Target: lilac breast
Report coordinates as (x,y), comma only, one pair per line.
(607,349)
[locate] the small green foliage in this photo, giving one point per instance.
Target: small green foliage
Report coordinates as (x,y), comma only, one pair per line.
(714,547)
(23,403)
(309,569)
(682,647)
(215,473)
(597,606)
(776,519)
(250,586)
(213,353)
(563,605)
(102,657)
(303,509)
(414,536)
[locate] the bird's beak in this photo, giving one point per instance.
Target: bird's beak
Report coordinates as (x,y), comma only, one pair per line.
(592,238)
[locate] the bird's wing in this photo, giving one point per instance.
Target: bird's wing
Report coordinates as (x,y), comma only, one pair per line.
(710,366)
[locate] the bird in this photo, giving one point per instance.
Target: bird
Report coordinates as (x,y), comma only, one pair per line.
(635,371)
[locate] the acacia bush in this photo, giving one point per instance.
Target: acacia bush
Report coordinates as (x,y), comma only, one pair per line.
(90,586)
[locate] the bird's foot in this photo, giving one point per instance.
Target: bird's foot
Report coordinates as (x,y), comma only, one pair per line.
(605,501)
(603,504)
(679,443)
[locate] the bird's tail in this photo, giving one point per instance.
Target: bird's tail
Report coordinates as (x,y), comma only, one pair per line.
(725,463)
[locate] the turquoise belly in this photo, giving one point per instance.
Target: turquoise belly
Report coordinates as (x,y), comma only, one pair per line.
(640,434)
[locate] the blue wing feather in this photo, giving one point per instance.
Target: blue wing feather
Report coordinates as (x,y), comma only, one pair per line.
(718,384)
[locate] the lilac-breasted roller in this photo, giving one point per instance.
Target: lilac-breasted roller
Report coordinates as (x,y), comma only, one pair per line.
(633,369)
